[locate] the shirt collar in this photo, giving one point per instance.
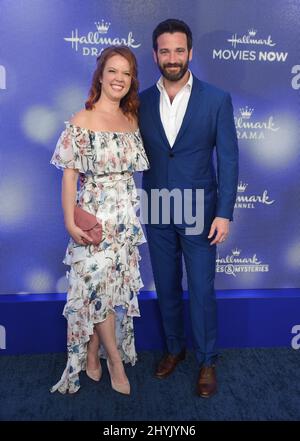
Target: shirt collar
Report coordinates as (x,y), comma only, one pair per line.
(188,84)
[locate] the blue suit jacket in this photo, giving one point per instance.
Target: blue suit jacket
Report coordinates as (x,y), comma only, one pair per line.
(208,126)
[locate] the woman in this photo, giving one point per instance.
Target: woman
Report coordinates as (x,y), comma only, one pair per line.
(103,143)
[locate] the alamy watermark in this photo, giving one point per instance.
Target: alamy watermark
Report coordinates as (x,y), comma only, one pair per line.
(2,77)
(295,343)
(2,337)
(159,206)
(183,202)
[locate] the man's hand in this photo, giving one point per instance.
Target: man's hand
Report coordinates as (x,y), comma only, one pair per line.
(221,226)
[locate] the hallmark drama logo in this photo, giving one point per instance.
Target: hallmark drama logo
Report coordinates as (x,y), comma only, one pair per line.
(245,199)
(250,128)
(234,264)
(94,42)
(250,47)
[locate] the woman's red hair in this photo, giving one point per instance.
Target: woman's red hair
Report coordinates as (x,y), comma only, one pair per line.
(130,102)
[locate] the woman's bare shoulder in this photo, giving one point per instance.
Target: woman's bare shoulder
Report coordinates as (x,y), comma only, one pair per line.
(134,123)
(80,118)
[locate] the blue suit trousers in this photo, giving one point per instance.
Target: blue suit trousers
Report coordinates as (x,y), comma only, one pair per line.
(166,246)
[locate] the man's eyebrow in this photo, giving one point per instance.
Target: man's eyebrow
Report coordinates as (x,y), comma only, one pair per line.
(167,49)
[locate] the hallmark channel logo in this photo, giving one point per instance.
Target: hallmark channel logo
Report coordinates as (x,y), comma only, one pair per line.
(2,77)
(94,42)
(2,337)
(248,127)
(234,264)
(250,47)
(245,199)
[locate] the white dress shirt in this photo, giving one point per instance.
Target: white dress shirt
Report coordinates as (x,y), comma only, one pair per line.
(172,114)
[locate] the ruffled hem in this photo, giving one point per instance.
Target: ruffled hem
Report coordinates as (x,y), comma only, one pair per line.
(69,381)
(106,280)
(96,289)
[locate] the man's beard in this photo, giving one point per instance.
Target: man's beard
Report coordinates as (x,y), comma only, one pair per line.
(174,76)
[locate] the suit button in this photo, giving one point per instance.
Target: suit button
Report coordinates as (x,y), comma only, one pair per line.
(171,155)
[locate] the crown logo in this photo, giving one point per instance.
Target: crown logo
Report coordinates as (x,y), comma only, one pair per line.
(242,187)
(102,27)
(236,252)
(246,112)
(252,32)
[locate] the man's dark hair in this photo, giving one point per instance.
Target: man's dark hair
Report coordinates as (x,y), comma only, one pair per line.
(172,25)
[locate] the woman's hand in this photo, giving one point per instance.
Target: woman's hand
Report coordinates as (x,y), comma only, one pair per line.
(69,191)
(78,235)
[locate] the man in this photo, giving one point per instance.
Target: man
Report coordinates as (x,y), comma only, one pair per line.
(182,121)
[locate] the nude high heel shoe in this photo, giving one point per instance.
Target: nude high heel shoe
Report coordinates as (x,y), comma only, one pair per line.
(122,388)
(94,374)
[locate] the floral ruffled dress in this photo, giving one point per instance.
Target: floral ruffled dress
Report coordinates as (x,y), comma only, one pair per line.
(104,278)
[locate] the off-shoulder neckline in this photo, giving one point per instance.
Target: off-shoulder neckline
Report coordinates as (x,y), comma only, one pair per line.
(101,131)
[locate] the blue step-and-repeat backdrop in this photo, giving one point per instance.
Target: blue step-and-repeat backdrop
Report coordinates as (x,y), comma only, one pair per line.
(48,51)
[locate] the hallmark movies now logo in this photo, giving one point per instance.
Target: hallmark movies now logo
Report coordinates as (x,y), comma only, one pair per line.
(94,42)
(245,199)
(250,47)
(234,264)
(250,128)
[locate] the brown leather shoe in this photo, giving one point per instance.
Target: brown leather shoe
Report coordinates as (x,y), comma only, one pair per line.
(207,382)
(168,363)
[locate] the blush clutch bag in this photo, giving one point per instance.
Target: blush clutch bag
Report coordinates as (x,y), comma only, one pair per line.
(89,224)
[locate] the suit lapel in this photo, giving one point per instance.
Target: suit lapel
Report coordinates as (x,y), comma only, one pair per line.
(193,104)
(156,117)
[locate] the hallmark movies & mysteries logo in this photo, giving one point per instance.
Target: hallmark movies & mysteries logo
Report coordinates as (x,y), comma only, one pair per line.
(234,264)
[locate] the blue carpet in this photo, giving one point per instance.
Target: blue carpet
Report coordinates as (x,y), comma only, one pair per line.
(254,385)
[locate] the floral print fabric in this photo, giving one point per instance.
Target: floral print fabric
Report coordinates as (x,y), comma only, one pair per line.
(104,278)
